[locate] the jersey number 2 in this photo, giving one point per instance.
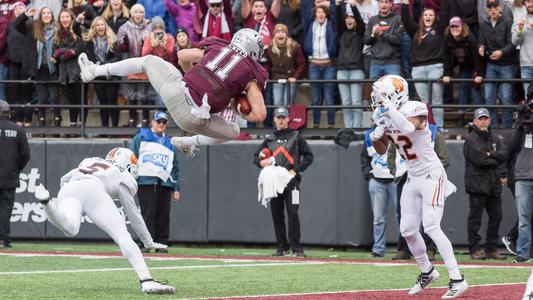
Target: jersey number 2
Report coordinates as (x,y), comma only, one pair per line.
(407,145)
(222,71)
(95,167)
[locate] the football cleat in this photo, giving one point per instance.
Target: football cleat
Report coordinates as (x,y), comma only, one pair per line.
(151,286)
(42,194)
(87,68)
(456,288)
(189,150)
(423,280)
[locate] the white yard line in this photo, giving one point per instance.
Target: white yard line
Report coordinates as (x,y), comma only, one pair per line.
(162,268)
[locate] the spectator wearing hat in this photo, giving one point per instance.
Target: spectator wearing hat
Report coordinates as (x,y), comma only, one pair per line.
(131,38)
(289,150)
(461,49)
(15,156)
(467,10)
(485,174)
(158,177)
(162,44)
(216,19)
(102,47)
(17,93)
(350,64)
(496,47)
(523,36)
(184,13)
(285,61)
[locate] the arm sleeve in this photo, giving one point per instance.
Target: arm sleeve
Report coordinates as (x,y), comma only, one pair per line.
(368,39)
(509,47)
(300,63)
(400,122)
(391,159)
(361,26)
(410,26)
(305,152)
(135,144)
(516,37)
(24,150)
(175,172)
(394,35)
(134,215)
(365,164)
(256,154)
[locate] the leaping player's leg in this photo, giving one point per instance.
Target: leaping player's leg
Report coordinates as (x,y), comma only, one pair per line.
(528,294)
(89,70)
(65,211)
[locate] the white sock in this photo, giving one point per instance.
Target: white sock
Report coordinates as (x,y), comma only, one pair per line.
(120,68)
(446,251)
(133,254)
(201,140)
(417,246)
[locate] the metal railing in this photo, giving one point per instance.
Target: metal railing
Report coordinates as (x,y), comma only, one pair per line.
(83,129)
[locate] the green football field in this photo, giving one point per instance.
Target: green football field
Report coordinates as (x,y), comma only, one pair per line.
(97,271)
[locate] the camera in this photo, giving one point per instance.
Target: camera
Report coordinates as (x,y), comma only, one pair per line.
(525,113)
(159,35)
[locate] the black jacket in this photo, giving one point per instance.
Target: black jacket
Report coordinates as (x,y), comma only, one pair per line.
(15,45)
(15,153)
(463,53)
(350,42)
(429,51)
(498,38)
(523,168)
(466,9)
(24,25)
(69,70)
(485,162)
(298,150)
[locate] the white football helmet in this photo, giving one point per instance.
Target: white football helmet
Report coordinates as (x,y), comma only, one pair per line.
(250,42)
(390,87)
(124,159)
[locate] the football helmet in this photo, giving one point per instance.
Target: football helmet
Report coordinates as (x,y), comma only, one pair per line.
(250,42)
(390,87)
(124,159)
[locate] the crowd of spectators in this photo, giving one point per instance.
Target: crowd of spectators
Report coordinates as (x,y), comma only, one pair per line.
(311,39)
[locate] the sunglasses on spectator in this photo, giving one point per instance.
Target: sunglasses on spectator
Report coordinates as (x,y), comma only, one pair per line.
(164,122)
(216,4)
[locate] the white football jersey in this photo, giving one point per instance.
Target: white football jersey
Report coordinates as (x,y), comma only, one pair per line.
(109,175)
(416,148)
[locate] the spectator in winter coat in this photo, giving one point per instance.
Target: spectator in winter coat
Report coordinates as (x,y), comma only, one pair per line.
(350,65)
(156,8)
(285,60)
(460,49)
(183,12)
(496,47)
(426,56)
(68,44)
(131,37)
(102,48)
(522,35)
(17,93)
(215,19)
(36,60)
(116,14)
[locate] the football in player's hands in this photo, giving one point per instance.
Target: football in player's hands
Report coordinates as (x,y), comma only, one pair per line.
(243,106)
(265,153)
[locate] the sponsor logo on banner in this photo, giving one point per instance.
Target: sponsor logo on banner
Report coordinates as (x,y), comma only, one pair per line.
(160,160)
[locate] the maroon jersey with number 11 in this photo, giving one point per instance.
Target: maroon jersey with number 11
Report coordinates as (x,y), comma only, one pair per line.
(223,73)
